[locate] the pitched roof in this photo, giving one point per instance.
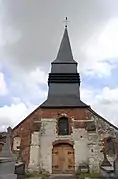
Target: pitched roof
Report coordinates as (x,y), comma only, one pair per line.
(63,102)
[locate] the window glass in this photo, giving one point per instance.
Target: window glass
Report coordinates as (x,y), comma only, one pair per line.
(63,126)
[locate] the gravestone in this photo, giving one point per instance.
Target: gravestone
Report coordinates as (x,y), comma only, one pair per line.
(20,166)
(116,167)
(7,160)
(106,169)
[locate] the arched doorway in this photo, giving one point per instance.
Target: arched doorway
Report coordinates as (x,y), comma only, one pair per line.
(63,158)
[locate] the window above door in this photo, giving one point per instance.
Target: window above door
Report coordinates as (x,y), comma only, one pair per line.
(63,126)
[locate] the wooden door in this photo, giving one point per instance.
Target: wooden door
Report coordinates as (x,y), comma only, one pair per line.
(56,162)
(63,159)
(69,164)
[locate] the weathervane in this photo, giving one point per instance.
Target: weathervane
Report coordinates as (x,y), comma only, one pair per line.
(66,22)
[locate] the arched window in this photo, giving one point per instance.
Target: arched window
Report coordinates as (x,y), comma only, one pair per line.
(63,126)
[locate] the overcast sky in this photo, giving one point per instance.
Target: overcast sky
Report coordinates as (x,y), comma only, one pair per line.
(30,35)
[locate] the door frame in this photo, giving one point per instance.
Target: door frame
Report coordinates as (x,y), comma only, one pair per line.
(63,142)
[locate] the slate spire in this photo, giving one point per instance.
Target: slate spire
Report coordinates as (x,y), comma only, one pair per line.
(65,53)
(64,80)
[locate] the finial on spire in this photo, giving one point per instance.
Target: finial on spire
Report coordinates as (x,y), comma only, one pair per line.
(66,22)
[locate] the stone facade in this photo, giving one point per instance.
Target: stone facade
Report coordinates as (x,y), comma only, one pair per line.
(26,127)
(48,135)
(104,131)
(39,131)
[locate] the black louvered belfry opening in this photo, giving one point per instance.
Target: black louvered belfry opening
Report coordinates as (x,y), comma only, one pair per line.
(63,126)
(64,78)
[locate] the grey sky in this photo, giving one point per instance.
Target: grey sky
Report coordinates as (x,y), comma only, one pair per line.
(30,35)
(36,27)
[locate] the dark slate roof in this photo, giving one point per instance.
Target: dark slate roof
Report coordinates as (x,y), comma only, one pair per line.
(65,53)
(69,82)
(63,102)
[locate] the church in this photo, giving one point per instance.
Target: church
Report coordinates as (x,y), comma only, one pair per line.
(64,134)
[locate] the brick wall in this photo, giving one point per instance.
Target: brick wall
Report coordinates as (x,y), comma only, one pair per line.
(25,128)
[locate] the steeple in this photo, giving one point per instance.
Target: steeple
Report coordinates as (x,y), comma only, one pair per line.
(65,53)
(64,80)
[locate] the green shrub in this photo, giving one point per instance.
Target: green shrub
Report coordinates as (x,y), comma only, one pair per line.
(91,175)
(44,176)
(32,174)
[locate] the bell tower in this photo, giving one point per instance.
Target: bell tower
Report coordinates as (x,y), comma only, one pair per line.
(64,80)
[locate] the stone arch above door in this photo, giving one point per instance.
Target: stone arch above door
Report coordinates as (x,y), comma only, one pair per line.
(63,157)
(57,142)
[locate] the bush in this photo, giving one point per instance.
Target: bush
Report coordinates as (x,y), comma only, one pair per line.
(91,175)
(44,176)
(32,174)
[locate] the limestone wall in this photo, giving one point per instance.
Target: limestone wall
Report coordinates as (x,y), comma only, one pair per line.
(87,144)
(25,128)
(103,130)
(34,164)
(48,134)
(80,138)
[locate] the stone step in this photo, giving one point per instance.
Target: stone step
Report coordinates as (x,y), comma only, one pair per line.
(62,176)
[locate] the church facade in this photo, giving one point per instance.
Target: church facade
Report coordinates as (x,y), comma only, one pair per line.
(64,135)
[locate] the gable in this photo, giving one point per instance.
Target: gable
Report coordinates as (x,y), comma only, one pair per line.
(103,119)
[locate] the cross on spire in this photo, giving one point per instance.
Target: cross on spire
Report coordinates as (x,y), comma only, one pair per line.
(66,22)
